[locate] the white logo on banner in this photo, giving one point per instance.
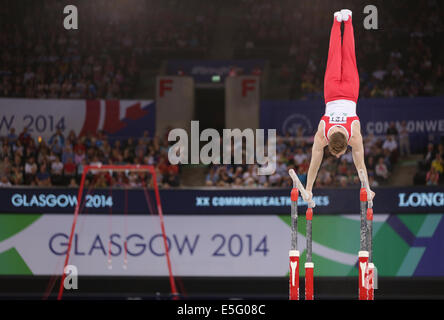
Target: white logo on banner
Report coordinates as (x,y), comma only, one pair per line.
(71,279)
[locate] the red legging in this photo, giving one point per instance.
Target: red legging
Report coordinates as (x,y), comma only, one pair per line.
(341,75)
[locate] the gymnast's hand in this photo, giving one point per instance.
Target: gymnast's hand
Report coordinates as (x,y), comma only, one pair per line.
(308,197)
(371,195)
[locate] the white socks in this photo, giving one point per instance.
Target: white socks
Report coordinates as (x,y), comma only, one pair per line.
(342,15)
(346,14)
(337,15)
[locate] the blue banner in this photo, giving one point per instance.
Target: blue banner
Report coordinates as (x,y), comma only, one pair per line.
(218,202)
(424,117)
(202,71)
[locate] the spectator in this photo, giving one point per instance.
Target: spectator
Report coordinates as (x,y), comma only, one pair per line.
(324,177)
(42,177)
(25,137)
(390,148)
(56,146)
(12,137)
(438,164)
(69,169)
(59,136)
(432,177)
(30,170)
(67,153)
(4,181)
(390,144)
(212,177)
(5,166)
(429,156)
(392,130)
(300,157)
(17,175)
(72,183)
(381,170)
(57,172)
(404,141)
(302,174)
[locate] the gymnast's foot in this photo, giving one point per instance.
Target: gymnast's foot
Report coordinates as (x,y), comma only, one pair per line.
(338,16)
(346,14)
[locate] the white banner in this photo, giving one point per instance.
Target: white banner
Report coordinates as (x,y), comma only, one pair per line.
(175,102)
(242,99)
(43,117)
(199,245)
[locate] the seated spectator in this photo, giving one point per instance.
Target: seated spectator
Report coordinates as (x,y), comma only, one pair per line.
(369,141)
(30,170)
(281,168)
(4,181)
(59,136)
(5,166)
(381,170)
(57,172)
(390,144)
(72,183)
(432,178)
(324,177)
(25,137)
(300,156)
(347,156)
(5,151)
(172,177)
(275,179)
(56,146)
(428,157)
(67,153)
(52,157)
(145,138)
(80,167)
(43,178)
(17,175)
(343,168)
(302,174)
(343,181)
(237,183)
(101,182)
(69,170)
(212,177)
(304,166)
(438,164)
(370,164)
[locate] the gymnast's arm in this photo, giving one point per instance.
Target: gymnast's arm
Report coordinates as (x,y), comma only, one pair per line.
(357,144)
(317,153)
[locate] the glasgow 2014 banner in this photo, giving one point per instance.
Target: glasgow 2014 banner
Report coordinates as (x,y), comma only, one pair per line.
(424,117)
(216,246)
(117,118)
(408,200)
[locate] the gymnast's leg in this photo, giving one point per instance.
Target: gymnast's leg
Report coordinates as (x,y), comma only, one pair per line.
(333,75)
(350,76)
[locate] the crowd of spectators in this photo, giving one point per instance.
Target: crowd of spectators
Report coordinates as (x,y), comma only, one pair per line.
(401,58)
(431,167)
(294,152)
(59,161)
(116,39)
(103,57)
